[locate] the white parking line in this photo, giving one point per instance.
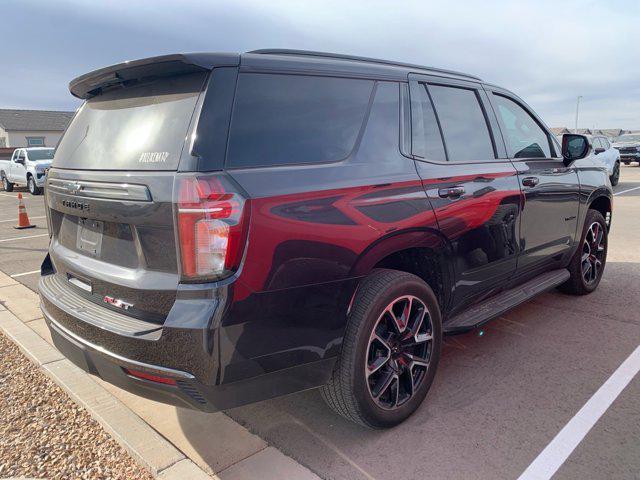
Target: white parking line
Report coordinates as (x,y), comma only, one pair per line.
(24,273)
(555,454)
(24,238)
(15,220)
(625,191)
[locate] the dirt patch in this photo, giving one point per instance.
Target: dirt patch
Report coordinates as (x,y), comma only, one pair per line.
(43,434)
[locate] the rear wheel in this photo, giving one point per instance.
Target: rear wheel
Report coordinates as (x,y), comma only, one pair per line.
(6,184)
(33,188)
(615,176)
(587,264)
(390,351)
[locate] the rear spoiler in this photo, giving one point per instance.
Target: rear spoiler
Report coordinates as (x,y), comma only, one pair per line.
(93,83)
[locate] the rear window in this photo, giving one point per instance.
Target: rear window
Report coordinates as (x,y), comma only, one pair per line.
(140,127)
(290,119)
(40,154)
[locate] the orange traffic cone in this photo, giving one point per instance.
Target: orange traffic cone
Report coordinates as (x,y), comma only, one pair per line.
(23,218)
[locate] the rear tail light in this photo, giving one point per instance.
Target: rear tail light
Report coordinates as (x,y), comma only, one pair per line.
(212,226)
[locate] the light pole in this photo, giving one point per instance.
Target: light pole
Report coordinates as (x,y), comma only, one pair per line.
(577,109)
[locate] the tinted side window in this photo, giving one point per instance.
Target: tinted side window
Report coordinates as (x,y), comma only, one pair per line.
(426,141)
(465,130)
(605,143)
(293,119)
(597,143)
(379,143)
(522,134)
(210,144)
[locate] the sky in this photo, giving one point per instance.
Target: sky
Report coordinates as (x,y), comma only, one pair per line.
(548,52)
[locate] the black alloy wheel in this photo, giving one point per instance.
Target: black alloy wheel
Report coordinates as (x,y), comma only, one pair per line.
(390,350)
(588,262)
(399,352)
(593,251)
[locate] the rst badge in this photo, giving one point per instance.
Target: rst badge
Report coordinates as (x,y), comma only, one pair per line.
(116,302)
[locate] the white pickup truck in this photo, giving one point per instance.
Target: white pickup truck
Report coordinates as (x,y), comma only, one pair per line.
(28,166)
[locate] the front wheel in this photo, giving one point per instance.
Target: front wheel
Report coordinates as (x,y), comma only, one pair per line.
(615,176)
(390,351)
(33,188)
(587,265)
(6,184)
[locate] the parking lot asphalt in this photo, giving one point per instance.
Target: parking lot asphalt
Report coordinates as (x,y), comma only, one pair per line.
(22,251)
(501,394)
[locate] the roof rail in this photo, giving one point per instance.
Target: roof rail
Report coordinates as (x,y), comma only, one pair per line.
(309,53)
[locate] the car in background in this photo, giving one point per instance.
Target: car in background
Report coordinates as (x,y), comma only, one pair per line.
(629,147)
(28,166)
(605,154)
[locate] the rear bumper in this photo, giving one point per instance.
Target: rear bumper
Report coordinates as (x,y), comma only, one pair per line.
(183,351)
(111,368)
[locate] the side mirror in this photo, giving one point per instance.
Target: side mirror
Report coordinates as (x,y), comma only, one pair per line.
(574,147)
(599,150)
(20,160)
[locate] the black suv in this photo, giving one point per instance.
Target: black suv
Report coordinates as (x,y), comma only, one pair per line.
(229,228)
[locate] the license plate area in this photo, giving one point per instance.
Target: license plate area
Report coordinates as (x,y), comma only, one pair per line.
(89,239)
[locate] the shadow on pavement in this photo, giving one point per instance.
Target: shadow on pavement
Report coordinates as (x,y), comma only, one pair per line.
(500,394)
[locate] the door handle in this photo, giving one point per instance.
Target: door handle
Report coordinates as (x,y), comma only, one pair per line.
(530,181)
(451,192)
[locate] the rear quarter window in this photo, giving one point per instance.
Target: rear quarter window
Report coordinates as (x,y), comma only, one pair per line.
(295,119)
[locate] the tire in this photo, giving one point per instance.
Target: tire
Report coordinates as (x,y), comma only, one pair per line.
(33,188)
(356,379)
(585,280)
(615,177)
(6,184)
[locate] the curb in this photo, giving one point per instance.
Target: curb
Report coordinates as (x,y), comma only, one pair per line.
(151,450)
(19,307)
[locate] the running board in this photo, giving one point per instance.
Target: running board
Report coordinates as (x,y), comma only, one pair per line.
(500,303)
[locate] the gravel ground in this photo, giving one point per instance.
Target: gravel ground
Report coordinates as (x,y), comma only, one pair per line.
(43,434)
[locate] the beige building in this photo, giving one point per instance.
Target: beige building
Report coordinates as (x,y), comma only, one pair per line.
(32,128)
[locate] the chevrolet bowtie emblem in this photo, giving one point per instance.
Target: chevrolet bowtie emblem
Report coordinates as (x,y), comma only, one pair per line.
(73,188)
